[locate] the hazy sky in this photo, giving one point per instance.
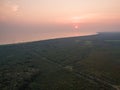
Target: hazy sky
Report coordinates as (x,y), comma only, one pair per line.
(28,20)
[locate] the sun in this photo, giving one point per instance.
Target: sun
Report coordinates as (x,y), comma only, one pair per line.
(76,27)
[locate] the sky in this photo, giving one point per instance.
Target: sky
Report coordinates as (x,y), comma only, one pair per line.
(31,20)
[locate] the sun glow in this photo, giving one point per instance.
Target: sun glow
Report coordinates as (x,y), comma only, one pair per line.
(76,27)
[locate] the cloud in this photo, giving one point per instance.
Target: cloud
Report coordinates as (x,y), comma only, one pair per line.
(9,10)
(9,5)
(15,8)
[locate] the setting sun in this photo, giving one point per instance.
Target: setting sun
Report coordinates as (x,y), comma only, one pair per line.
(76,27)
(29,20)
(59,44)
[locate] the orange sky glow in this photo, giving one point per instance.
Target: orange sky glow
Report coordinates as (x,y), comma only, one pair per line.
(54,14)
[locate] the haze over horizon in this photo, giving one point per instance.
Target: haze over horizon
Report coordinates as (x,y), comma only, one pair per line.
(31,20)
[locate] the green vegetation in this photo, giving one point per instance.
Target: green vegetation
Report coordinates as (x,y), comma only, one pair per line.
(78,63)
(88,42)
(116,41)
